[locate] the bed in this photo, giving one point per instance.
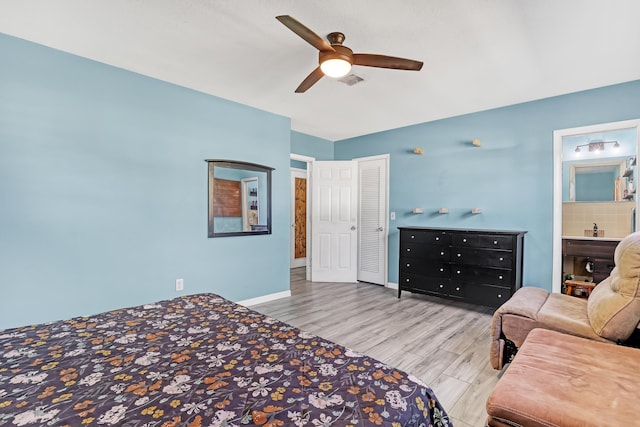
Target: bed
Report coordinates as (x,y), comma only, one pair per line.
(198,360)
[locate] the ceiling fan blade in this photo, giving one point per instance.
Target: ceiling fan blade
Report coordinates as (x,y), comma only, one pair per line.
(383,61)
(311,79)
(300,29)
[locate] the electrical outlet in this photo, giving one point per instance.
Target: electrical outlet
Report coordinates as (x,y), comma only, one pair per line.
(179,285)
(393,216)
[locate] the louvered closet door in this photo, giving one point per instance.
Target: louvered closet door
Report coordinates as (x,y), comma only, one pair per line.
(372,240)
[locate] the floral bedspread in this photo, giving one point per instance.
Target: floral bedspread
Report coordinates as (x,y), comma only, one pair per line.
(198,360)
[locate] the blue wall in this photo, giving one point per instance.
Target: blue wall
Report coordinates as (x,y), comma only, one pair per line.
(103,189)
(311,146)
(510,177)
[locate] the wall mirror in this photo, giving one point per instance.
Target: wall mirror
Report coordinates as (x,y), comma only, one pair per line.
(239,198)
(599,166)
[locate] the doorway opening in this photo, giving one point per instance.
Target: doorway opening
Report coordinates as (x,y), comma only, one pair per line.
(344,225)
(587,142)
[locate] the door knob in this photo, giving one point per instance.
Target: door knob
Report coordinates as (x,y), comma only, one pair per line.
(380,228)
(353,227)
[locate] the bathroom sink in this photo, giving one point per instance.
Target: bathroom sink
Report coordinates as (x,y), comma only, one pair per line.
(589,233)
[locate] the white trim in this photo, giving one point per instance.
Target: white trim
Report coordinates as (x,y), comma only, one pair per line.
(264,298)
(556,279)
(392,285)
(376,157)
(301,158)
(309,161)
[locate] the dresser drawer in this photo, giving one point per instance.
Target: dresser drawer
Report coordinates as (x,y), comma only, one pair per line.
(481,276)
(424,283)
(482,241)
(424,251)
(432,269)
(490,296)
(483,257)
(457,290)
(432,237)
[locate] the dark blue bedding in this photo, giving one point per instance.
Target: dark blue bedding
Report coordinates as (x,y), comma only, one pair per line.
(198,360)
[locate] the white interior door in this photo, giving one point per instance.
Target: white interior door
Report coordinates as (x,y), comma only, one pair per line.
(334,210)
(372,220)
(298,245)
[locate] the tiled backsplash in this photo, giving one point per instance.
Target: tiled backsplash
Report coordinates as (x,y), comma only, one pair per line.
(614,218)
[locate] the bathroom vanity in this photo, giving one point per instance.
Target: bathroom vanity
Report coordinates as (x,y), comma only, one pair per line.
(588,260)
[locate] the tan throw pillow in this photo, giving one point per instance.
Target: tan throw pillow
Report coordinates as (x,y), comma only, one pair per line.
(614,305)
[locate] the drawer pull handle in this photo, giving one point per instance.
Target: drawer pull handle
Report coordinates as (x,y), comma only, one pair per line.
(495,242)
(441,253)
(499,295)
(458,288)
(442,269)
(501,259)
(459,255)
(408,265)
(408,249)
(413,237)
(464,240)
(500,277)
(437,238)
(458,271)
(407,280)
(442,286)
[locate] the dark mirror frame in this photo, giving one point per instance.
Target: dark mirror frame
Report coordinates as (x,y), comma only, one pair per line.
(233,164)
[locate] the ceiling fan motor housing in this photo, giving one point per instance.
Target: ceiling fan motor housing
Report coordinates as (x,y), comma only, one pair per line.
(342,52)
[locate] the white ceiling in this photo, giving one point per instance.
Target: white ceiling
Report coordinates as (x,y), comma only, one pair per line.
(478,54)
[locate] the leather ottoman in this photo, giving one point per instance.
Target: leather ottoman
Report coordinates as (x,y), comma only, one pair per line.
(562,380)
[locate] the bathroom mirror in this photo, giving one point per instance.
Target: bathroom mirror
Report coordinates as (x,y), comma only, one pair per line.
(239,198)
(599,166)
(600,180)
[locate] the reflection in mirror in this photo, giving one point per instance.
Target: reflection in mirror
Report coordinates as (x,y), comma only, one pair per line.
(599,172)
(239,198)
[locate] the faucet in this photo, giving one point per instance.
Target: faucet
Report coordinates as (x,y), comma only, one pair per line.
(595,230)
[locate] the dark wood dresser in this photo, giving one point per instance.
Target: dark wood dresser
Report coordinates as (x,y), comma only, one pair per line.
(481,267)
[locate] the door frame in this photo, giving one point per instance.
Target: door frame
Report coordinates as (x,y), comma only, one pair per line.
(387,159)
(297,173)
(307,160)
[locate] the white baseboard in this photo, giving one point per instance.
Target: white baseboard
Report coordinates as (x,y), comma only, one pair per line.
(392,285)
(264,298)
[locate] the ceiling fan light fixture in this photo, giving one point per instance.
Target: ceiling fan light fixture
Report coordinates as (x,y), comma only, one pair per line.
(335,67)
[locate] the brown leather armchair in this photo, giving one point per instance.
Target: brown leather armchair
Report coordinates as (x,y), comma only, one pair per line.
(611,314)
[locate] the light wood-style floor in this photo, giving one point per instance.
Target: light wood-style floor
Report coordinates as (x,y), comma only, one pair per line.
(445,343)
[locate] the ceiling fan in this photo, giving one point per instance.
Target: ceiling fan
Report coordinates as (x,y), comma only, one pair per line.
(335,59)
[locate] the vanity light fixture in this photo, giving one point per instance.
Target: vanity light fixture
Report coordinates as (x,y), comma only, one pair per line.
(597,147)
